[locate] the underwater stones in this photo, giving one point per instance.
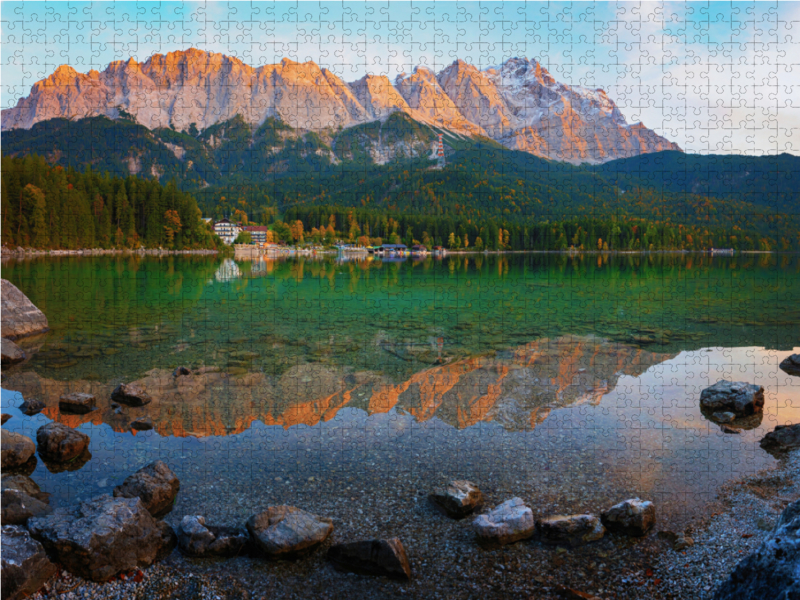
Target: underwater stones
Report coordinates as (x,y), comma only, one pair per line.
(131,394)
(197,539)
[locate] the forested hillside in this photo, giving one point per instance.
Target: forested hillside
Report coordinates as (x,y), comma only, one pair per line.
(52,207)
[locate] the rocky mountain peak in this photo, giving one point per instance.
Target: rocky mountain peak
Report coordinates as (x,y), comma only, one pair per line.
(518,103)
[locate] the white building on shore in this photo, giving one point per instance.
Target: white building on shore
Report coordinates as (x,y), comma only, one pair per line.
(227,230)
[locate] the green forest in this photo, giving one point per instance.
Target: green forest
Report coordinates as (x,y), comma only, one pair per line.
(51,207)
(299,181)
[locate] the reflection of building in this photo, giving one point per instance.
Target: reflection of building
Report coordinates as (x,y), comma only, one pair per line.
(257,232)
(227,230)
(228,271)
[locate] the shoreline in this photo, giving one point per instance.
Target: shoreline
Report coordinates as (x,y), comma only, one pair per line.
(32,252)
(447,563)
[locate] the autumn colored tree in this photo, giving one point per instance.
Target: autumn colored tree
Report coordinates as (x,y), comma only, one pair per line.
(172,225)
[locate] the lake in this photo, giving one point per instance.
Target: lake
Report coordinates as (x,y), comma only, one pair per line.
(571,381)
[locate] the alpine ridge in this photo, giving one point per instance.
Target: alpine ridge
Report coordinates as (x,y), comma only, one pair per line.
(518,104)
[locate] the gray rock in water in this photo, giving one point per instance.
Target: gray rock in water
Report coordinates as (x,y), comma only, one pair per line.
(458,499)
(25,566)
(156,485)
(195,538)
(783,438)
(791,364)
(385,558)
(288,532)
(59,443)
(10,353)
(18,507)
(100,538)
(32,406)
(130,394)
(723,417)
(179,371)
(4,417)
(15,449)
(142,424)
(18,316)
(507,523)
(632,517)
(570,530)
(773,570)
(738,397)
(77,402)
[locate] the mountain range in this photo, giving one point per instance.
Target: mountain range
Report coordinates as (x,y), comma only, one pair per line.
(517,104)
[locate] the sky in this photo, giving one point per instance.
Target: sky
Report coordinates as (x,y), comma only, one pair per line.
(718,77)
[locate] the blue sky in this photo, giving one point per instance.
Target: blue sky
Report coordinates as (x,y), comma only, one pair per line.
(714,77)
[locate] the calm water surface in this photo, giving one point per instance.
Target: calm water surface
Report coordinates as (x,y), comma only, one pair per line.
(570,381)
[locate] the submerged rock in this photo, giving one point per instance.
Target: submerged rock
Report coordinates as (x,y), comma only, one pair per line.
(59,443)
(76,464)
(131,394)
(156,485)
(168,540)
(25,566)
(77,402)
(32,406)
(632,517)
(19,317)
(15,449)
(4,417)
(98,538)
(458,499)
(178,372)
(195,538)
(738,397)
(142,424)
(570,530)
(288,532)
(773,570)
(507,523)
(791,364)
(783,438)
(374,557)
(10,353)
(18,507)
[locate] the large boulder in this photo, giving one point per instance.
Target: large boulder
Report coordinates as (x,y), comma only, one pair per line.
(195,538)
(507,523)
(25,566)
(632,517)
(570,530)
(59,443)
(99,538)
(782,439)
(773,570)
(20,317)
(738,397)
(32,406)
(288,532)
(458,499)
(155,484)
(374,557)
(131,394)
(78,403)
(791,364)
(10,353)
(15,449)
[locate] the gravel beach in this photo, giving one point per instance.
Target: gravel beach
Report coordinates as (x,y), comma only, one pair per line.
(447,563)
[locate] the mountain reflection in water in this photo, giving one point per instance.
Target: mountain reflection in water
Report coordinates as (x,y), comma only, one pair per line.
(516,388)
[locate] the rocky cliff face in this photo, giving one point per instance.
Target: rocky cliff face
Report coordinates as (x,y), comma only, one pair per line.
(517,103)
